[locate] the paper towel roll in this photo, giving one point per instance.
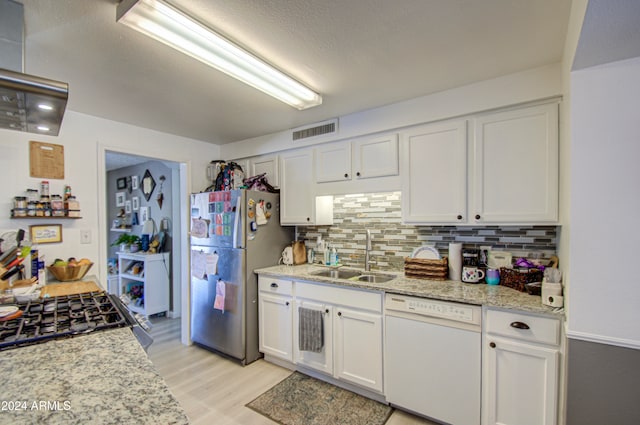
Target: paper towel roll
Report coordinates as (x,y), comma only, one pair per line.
(455,261)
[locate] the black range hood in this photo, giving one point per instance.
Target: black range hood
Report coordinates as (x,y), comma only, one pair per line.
(32,104)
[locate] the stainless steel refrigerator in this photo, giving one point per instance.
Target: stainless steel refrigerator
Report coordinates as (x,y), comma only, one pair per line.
(232,233)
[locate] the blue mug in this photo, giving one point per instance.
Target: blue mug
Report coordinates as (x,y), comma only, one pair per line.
(493,277)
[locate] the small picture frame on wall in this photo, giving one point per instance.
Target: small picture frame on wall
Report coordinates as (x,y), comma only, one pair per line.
(48,233)
(135,203)
(120,198)
(144,214)
(127,207)
(134,182)
(121,183)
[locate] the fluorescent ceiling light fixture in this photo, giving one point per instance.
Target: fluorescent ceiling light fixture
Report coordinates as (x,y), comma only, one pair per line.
(45,107)
(174,28)
(43,128)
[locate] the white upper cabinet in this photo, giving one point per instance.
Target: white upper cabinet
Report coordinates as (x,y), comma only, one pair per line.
(434,173)
(333,162)
(502,170)
(360,159)
(266,164)
(299,204)
(516,166)
(376,157)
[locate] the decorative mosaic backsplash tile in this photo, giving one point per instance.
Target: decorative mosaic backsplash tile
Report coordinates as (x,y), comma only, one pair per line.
(392,240)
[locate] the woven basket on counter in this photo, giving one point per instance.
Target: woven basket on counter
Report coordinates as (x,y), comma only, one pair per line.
(518,279)
(426,269)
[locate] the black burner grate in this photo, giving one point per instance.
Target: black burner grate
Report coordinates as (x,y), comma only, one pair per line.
(59,317)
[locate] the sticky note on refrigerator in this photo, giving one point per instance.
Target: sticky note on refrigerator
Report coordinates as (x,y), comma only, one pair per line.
(218,302)
(211,264)
(261,219)
(198,264)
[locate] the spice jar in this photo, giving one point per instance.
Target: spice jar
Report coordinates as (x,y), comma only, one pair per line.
(20,202)
(57,206)
(44,188)
(31,208)
(32,194)
(20,206)
(39,209)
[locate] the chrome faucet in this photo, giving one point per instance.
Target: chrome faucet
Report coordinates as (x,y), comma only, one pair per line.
(367,249)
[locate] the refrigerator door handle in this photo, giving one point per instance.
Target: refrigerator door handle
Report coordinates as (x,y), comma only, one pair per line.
(237,223)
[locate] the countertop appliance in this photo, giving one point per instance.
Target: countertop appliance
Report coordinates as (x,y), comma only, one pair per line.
(67,316)
(443,339)
(232,233)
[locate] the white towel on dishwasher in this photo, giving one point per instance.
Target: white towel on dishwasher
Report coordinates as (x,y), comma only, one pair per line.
(310,330)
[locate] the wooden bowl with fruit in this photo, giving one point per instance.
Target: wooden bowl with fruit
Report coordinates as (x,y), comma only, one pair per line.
(71,269)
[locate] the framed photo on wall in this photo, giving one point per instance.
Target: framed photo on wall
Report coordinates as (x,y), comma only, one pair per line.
(120,197)
(144,214)
(121,183)
(135,203)
(127,207)
(134,182)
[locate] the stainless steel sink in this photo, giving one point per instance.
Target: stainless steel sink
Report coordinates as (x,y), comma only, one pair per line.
(337,273)
(376,278)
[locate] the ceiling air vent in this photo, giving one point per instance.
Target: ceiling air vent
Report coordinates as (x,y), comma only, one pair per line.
(319,129)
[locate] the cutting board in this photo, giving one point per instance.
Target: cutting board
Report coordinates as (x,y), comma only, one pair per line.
(69,288)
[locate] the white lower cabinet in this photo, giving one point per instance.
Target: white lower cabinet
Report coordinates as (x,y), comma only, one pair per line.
(520,369)
(352,329)
(358,347)
(275,310)
(322,361)
(352,319)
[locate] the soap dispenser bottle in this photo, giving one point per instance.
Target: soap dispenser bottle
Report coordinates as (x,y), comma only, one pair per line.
(333,257)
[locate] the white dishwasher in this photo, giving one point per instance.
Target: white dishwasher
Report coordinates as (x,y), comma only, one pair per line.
(432,358)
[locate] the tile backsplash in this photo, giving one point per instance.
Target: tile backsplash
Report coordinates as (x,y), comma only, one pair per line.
(392,240)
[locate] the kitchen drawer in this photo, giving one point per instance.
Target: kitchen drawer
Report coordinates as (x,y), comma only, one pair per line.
(275,286)
(332,294)
(544,330)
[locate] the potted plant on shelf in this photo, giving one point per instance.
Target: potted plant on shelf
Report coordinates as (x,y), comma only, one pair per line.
(127,242)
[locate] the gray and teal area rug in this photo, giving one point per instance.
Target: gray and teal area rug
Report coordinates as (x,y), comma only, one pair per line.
(302,400)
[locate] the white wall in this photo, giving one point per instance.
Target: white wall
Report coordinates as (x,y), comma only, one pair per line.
(84,138)
(604,241)
(526,86)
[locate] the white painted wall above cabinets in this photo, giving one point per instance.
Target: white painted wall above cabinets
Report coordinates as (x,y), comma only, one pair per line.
(502,169)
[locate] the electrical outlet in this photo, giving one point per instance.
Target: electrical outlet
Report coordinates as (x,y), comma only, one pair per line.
(85,236)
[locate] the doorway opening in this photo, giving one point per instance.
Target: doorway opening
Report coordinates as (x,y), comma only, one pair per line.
(143,200)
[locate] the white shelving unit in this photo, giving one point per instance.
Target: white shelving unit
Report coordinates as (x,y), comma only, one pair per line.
(152,275)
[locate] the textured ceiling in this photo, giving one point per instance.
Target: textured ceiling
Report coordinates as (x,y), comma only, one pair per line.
(610,32)
(358,54)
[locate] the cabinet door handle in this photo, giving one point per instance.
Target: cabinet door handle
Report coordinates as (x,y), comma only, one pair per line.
(287,303)
(358,174)
(308,219)
(477,216)
(459,217)
(519,325)
(339,313)
(492,345)
(346,175)
(327,311)
(274,285)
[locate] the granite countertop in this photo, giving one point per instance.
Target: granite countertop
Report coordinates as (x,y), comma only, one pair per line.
(100,378)
(449,290)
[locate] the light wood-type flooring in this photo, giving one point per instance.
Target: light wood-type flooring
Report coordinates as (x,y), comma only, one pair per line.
(213,389)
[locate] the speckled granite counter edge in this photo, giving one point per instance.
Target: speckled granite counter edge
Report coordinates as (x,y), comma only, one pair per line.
(447,290)
(100,378)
